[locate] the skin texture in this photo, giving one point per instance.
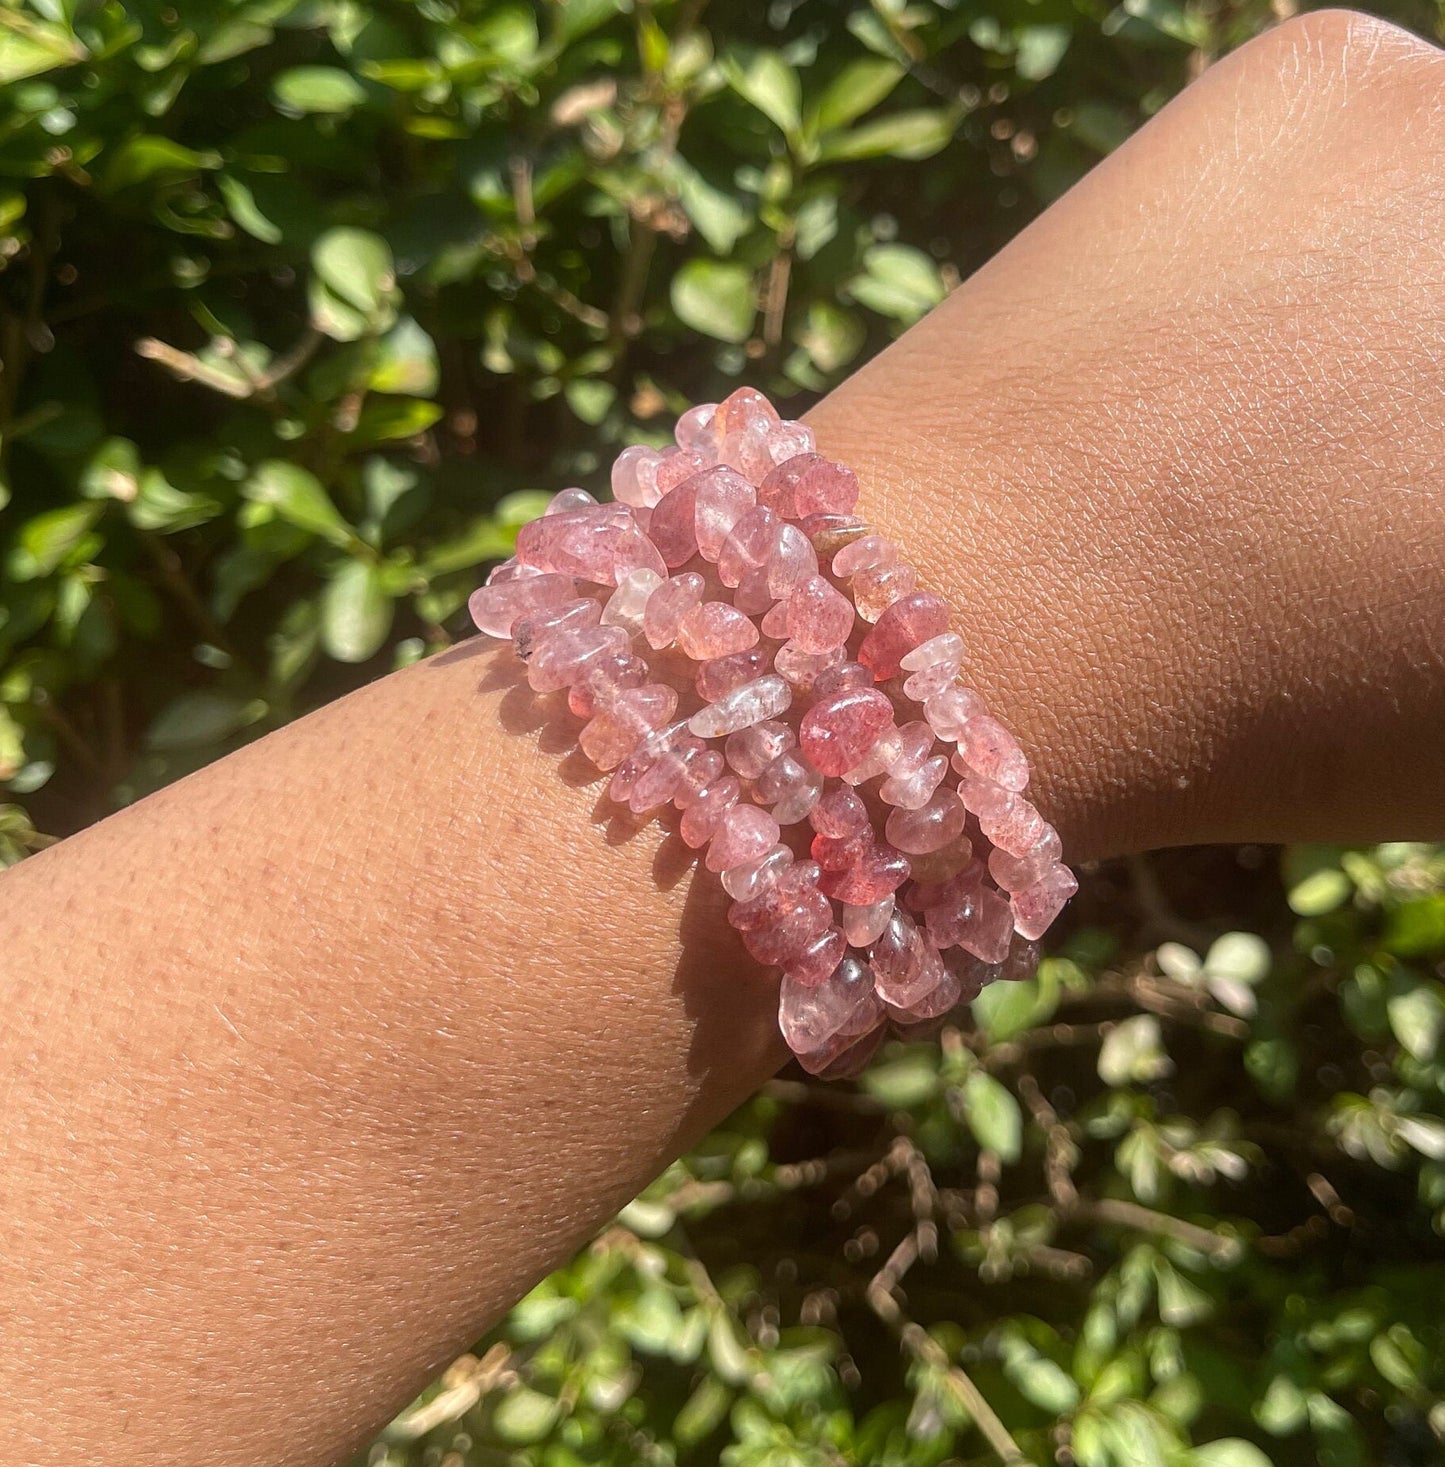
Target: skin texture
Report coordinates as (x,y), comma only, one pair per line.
(317,1060)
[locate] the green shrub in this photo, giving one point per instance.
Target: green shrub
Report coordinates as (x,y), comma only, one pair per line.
(303,305)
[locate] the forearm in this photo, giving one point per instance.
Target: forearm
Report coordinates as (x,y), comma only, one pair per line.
(315,1060)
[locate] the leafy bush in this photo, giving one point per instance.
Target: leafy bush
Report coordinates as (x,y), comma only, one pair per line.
(303,305)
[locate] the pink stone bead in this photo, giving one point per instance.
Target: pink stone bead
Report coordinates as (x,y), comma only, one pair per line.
(1022,961)
(675,467)
(827,488)
(840,852)
(837,731)
(740,409)
(1018,829)
(642,758)
(715,629)
(673,526)
(699,773)
(611,734)
(901,750)
(819,615)
(897,950)
(869,767)
(870,552)
(829,533)
(702,817)
(878,871)
(751,750)
(510,569)
(931,1003)
(811,1015)
(913,788)
(694,431)
(946,649)
(988,748)
(790,787)
(565,499)
(579,542)
(603,679)
(775,622)
(748,545)
(497,608)
(634,476)
(779,489)
(973,974)
(982,796)
(1035,908)
(950,710)
(627,604)
(659,784)
(927,828)
(874,591)
(785,940)
(921,897)
(743,834)
(529,631)
(862,925)
(802,669)
(906,624)
(791,886)
(723,674)
(845,1057)
(844,675)
(752,595)
(667,606)
(792,562)
(819,958)
(989,930)
(1014,873)
(723,498)
(560,660)
(923,685)
(839,813)
(743,883)
(633,550)
(743,706)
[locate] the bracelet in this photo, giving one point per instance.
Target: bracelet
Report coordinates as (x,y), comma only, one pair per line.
(733,550)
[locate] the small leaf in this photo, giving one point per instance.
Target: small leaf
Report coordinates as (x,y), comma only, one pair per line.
(199,719)
(298,496)
(831,336)
(406,361)
(356,612)
(142,159)
(1133,1050)
(769,83)
(47,539)
(1417,1017)
(1320,892)
(718,216)
(524,1416)
(1040,48)
(993,1115)
(1241,956)
(356,265)
(245,211)
(898,281)
(858,88)
(1229,1451)
(910,135)
(324,89)
(715,297)
(383,419)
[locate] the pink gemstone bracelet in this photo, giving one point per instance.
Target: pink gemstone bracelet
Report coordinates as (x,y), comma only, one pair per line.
(928,874)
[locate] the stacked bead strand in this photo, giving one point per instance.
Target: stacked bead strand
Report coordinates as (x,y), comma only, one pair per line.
(807,641)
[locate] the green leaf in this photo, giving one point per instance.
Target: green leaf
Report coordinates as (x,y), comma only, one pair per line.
(831,336)
(143,159)
(590,398)
(1417,927)
(898,281)
(718,216)
(1417,1017)
(858,88)
(241,202)
(383,419)
(298,496)
(159,505)
(1242,956)
(356,612)
(715,297)
(910,135)
(765,80)
(357,266)
(993,1115)
(1133,1050)
(47,539)
(202,718)
(35,49)
(406,361)
(523,1416)
(905,1082)
(1320,891)
(1040,48)
(1229,1451)
(702,1412)
(325,89)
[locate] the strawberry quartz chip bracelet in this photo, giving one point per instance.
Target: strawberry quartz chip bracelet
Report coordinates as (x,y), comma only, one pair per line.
(828,707)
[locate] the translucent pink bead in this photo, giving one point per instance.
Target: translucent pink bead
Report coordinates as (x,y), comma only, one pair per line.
(802,669)
(936,678)
(740,409)
(950,710)
(862,925)
(928,828)
(819,615)
(812,1014)
(1022,961)
(498,607)
(510,569)
(723,498)
(702,817)
(722,674)
(579,542)
(715,629)
(565,499)
(901,750)
(1017,829)
(694,431)
(775,622)
(913,788)
(673,526)
(626,605)
(530,631)
(874,591)
(743,883)
(667,606)
(631,551)
(748,545)
(659,784)
(989,749)
(840,813)
(743,834)
(744,705)
(827,488)
(989,930)
(906,624)
(699,773)
(779,489)
(870,552)
(792,886)
(936,1002)
(634,476)
(843,675)
(560,660)
(751,750)
(986,799)
(674,467)
(779,943)
(790,787)
(818,959)
(1036,906)
(616,730)
(944,649)
(792,562)
(752,595)
(603,679)
(837,731)
(1014,873)
(829,533)
(897,950)
(642,758)
(878,871)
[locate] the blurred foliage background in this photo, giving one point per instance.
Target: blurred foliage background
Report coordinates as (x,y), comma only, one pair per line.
(305,305)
